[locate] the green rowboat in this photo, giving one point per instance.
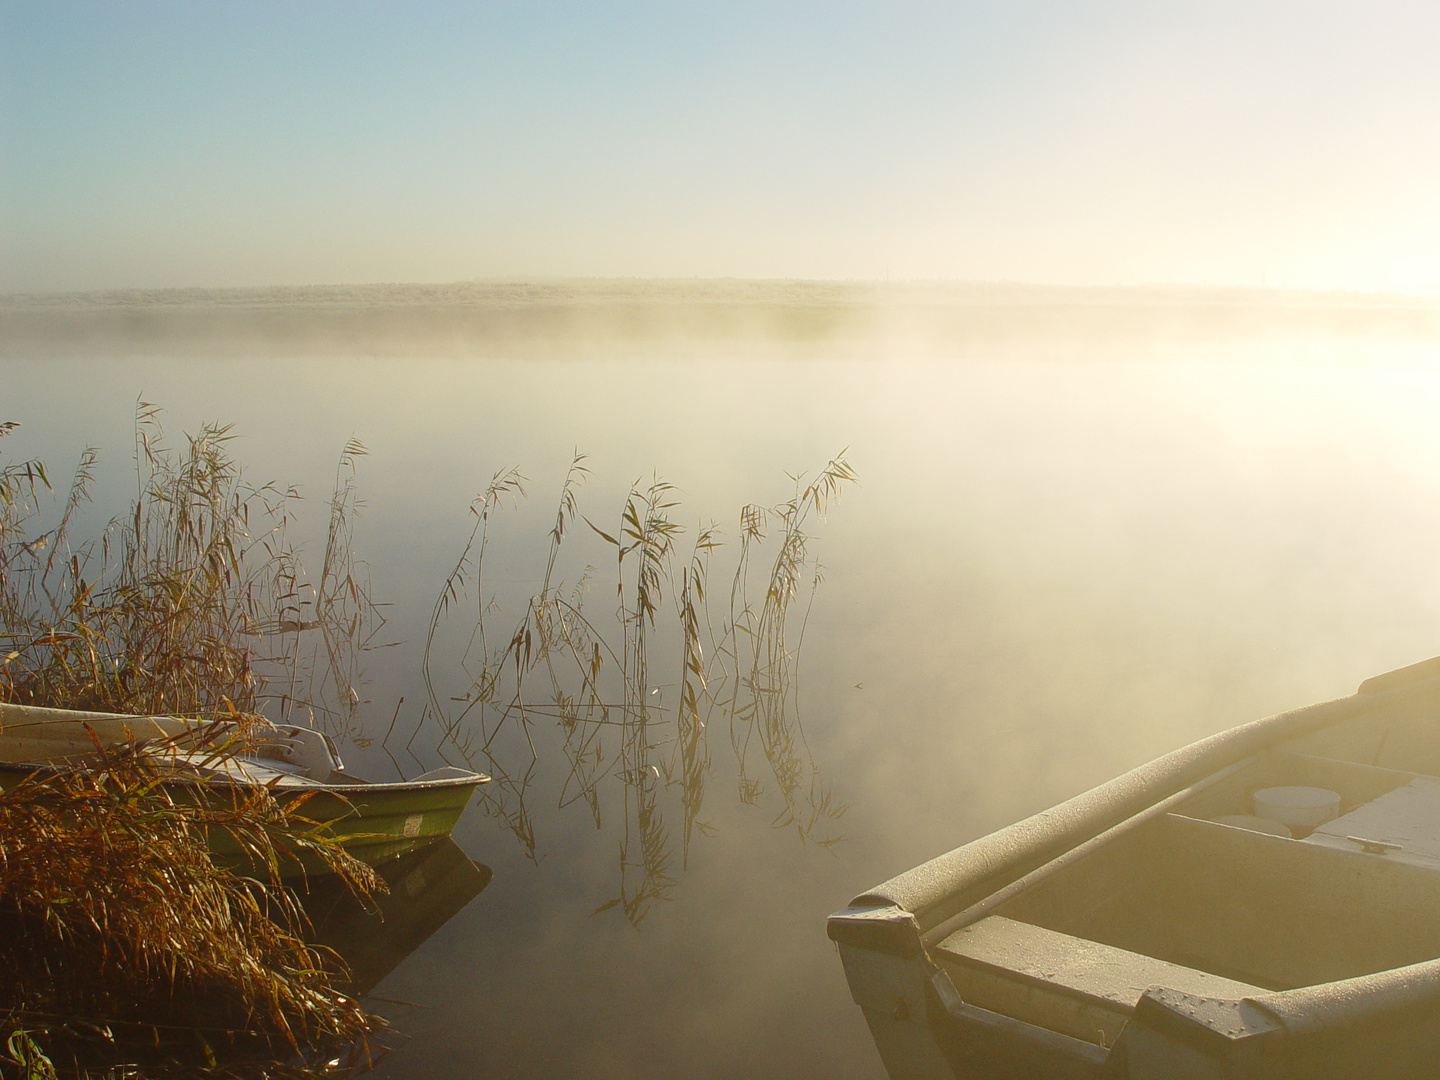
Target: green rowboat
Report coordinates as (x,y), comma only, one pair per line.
(375,821)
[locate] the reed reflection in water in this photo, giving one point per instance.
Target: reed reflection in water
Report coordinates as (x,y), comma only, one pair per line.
(1058,564)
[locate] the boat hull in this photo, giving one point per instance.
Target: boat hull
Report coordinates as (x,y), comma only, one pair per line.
(372,822)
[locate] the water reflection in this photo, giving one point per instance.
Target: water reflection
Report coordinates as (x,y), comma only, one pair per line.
(426,889)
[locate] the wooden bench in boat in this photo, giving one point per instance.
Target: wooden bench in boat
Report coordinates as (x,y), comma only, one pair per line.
(1263,910)
(1403,825)
(1077,987)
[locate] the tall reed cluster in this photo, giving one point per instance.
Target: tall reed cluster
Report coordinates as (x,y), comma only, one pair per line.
(196,602)
(193,601)
(601,681)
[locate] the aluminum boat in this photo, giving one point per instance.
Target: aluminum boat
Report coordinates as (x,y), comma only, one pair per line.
(1264,903)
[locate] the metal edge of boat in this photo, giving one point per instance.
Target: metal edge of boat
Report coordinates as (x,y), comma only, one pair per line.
(1378,1025)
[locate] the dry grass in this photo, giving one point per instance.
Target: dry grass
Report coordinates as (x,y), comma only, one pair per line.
(125,944)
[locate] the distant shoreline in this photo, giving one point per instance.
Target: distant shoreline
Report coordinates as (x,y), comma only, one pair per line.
(678,317)
(711,291)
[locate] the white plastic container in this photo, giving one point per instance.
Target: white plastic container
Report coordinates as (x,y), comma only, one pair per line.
(1297,807)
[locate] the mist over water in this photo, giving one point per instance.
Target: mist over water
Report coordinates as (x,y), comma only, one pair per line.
(1064,557)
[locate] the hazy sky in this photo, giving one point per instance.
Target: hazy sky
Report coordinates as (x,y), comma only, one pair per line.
(217,143)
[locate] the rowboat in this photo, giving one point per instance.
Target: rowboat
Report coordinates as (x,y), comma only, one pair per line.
(1264,903)
(374,821)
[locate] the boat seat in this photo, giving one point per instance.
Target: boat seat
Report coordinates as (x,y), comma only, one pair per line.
(1068,984)
(1403,825)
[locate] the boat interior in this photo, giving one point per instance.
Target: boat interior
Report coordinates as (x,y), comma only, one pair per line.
(1209,898)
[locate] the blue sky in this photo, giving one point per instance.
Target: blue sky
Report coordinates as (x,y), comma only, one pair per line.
(159,144)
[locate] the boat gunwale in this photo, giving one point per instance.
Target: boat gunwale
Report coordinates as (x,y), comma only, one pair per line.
(938,889)
(945,885)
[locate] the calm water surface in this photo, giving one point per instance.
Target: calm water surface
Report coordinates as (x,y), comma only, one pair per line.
(1057,565)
